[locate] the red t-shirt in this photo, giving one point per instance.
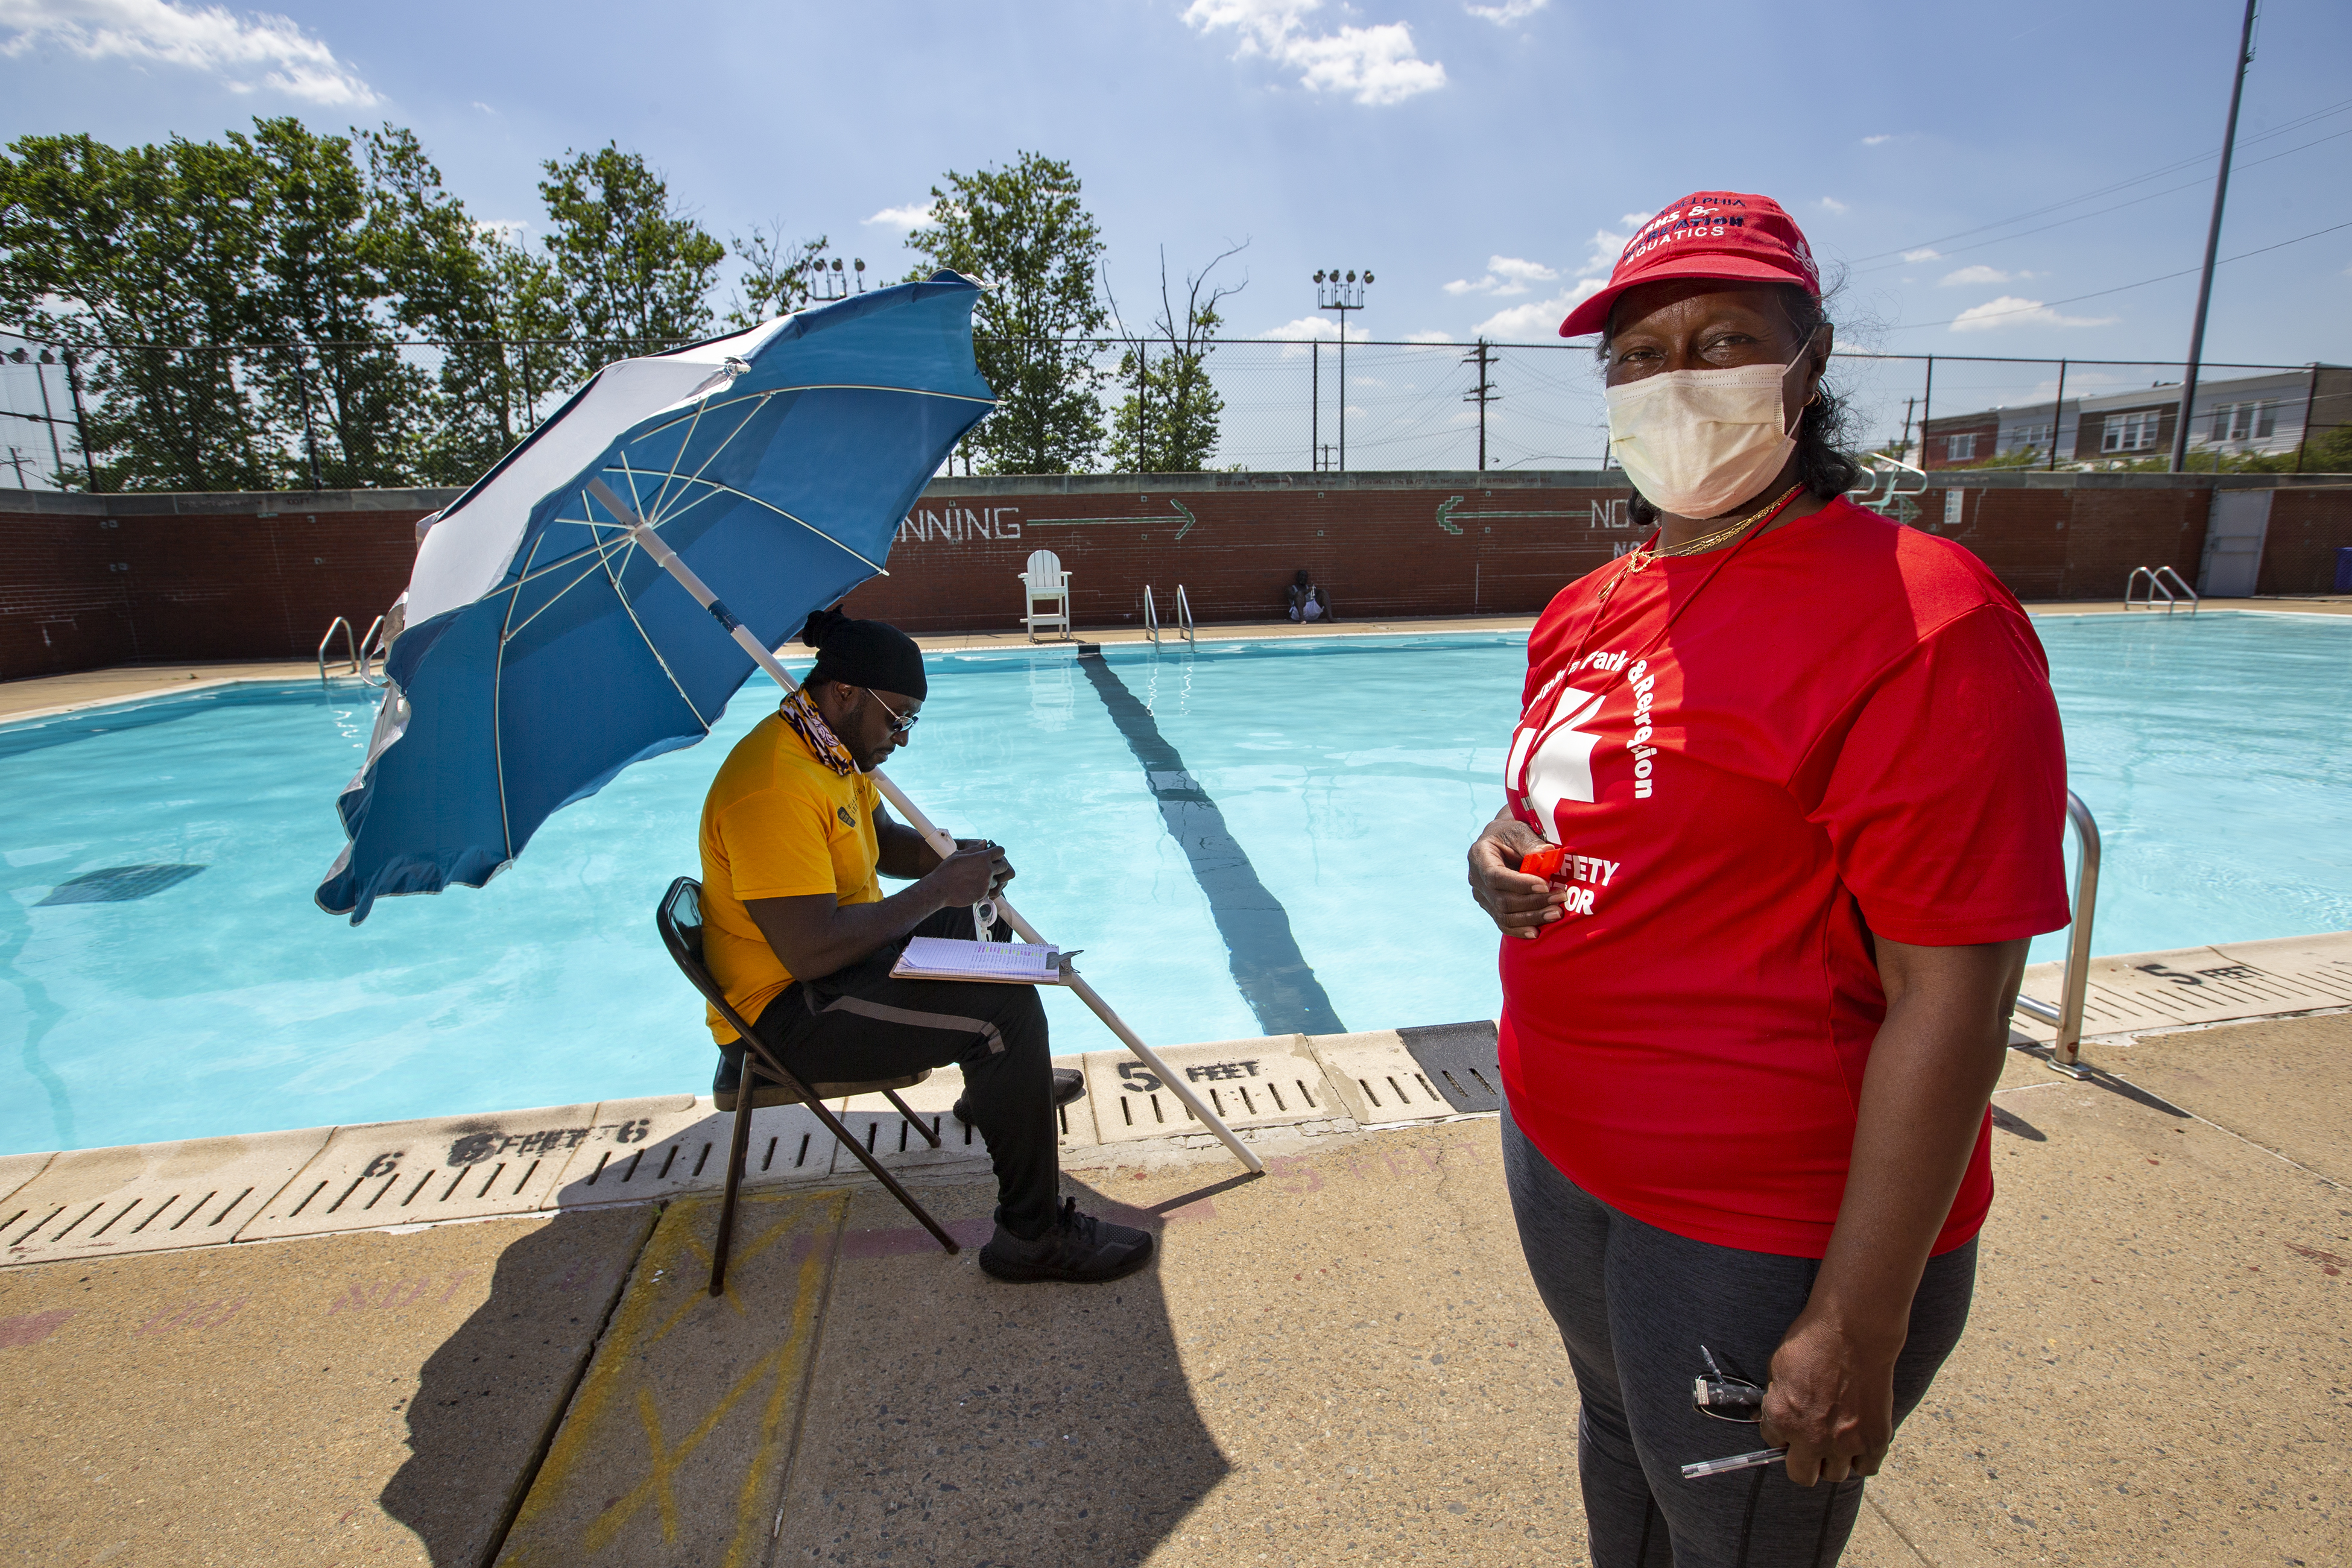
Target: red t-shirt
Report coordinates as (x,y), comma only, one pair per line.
(1849,730)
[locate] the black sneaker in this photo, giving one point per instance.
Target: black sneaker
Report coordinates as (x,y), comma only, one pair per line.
(1077,1247)
(1068,1084)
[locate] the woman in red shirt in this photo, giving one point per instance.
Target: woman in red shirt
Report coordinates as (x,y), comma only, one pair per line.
(1800,773)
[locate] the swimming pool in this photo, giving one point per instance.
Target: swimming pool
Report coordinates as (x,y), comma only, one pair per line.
(1167,812)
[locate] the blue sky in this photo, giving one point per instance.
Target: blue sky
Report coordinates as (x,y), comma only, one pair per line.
(1478,157)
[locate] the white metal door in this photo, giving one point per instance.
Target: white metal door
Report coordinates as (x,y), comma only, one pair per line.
(2234,530)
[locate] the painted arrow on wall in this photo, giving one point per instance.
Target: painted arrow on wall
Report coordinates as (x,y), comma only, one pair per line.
(1599,517)
(1185,511)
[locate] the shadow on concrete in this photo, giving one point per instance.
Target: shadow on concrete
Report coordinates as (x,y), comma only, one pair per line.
(489,1399)
(956,1419)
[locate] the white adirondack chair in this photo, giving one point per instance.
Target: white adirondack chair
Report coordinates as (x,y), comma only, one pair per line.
(1045,584)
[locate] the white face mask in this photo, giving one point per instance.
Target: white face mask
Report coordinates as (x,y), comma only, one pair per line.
(1697,442)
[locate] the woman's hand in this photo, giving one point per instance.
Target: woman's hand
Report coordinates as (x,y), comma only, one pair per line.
(1832,1399)
(1520,905)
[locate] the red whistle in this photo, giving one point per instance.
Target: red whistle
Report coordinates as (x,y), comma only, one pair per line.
(1544,862)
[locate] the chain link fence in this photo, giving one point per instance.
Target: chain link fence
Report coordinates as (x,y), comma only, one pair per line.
(282,417)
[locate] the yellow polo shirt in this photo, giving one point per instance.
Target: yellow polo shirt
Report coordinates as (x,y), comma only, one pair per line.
(777,823)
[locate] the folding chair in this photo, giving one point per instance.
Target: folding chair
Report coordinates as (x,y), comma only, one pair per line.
(679,917)
(1044,583)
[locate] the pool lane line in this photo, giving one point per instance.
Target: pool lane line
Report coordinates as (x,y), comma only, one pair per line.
(1272,976)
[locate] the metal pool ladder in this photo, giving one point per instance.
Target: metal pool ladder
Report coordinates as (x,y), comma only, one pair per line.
(351,647)
(359,652)
(1183,628)
(2161,579)
(2066,1051)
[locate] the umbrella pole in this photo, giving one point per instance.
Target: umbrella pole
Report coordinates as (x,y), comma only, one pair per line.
(659,548)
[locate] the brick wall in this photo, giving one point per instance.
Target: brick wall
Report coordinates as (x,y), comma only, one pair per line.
(91,581)
(1381,551)
(2307,528)
(87,582)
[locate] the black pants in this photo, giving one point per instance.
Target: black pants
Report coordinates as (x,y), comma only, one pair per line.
(1634,1303)
(858,1023)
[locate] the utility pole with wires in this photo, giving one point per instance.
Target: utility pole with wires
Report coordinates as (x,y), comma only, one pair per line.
(1483,356)
(2212,244)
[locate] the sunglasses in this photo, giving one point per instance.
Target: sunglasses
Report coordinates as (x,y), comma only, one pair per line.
(1721,1396)
(899,723)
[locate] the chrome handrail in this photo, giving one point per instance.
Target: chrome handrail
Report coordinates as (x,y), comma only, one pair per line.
(371,651)
(1881,466)
(2066,1051)
(1184,618)
(2155,586)
(350,648)
(2164,571)
(1151,616)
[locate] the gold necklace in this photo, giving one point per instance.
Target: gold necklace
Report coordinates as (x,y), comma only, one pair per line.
(1642,554)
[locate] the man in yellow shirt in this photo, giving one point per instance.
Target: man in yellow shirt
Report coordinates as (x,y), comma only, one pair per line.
(799,935)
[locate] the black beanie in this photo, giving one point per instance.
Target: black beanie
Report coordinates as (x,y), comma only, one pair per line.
(872,654)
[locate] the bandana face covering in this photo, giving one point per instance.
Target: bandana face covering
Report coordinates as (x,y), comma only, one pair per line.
(799,711)
(1698,442)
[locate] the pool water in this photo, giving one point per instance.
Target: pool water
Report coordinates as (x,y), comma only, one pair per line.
(1247,839)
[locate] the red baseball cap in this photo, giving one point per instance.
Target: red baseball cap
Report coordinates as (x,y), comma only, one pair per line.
(1728,235)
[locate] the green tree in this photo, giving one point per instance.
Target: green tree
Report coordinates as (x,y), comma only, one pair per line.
(1168,422)
(1023,233)
(138,259)
(441,280)
(775,280)
(328,372)
(635,270)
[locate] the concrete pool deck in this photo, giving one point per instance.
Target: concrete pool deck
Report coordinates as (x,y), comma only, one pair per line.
(35,696)
(1341,1361)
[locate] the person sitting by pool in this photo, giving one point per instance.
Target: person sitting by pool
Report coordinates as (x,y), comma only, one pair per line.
(1307,600)
(798,934)
(1784,803)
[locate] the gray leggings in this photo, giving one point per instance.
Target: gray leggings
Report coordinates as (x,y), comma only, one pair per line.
(1634,1304)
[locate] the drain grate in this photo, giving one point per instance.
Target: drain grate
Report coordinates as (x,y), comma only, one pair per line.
(443,1168)
(1267,1083)
(118,885)
(148,1197)
(639,1149)
(1459,1062)
(2203,985)
(1377,1078)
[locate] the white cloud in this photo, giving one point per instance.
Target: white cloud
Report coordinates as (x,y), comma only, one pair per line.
(1538,319)
(1508,12)
(913,216)
(1982,274)
(1925,253)
(211,39)
(1298,334)
(1505,275)
(1876,141)
(485,107)
(1374,65)
(1607,244)
(1429,337)
(2008,310)
(1832,204)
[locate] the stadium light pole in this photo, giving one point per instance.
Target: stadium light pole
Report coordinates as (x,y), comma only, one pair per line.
(2212,244)
(1333,293)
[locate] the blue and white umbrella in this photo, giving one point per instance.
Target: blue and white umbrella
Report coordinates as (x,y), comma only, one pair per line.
(558,624)
(546,647)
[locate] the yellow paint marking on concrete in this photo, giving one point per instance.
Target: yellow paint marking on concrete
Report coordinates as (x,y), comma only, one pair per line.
(617,1486)
(664,1461)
